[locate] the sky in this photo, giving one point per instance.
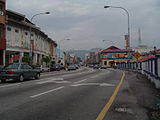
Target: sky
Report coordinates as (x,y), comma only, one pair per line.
(86,23)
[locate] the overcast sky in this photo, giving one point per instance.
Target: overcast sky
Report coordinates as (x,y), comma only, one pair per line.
(87,23)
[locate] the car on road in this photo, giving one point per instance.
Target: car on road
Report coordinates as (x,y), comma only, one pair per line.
(62,67)
(45,69)
(103,67)
(96,67)
(55,67)
(71,67)
(19,71)
(77,66)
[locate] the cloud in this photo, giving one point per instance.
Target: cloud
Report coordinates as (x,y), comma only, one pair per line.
(87,22)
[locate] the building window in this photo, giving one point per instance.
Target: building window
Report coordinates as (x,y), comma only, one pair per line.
(17,31)
(26,33)
(1,10)
(8,28)
(32,35)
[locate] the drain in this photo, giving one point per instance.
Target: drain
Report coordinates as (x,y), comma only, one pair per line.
(124,110)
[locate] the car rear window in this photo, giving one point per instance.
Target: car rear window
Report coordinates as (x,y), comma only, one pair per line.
(12,66)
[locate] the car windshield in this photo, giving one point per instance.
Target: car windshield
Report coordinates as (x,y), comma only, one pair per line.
(12,66)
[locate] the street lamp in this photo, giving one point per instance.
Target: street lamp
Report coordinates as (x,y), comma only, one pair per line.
(59,57)
(128,20)
(31,42)
(39,14)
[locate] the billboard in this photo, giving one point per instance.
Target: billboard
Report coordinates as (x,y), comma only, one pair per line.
(119,56)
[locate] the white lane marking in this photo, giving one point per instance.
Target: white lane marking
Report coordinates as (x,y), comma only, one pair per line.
(106,84)
(93,84)
(50,80)
(43,79)
(95,76)
(74,74)
(49,91)
(61,81)
(80,81)
(10,85)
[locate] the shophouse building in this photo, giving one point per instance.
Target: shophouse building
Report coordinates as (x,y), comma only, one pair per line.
(113,55)
(2,31)
(24,38)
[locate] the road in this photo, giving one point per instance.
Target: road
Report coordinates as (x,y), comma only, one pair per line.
(66,95)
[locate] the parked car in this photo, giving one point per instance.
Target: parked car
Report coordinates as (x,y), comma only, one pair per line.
(62,67)
(71,67)
(55,67)
(103,67)
(43,69)
(96,67)
(19,71)
(77,67)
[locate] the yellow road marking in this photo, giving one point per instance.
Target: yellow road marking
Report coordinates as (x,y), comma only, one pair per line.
(104,111)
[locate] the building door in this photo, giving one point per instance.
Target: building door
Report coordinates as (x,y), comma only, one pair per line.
(1,57)
(105,62)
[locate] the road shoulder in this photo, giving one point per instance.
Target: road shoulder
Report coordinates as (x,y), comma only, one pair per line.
(136,97)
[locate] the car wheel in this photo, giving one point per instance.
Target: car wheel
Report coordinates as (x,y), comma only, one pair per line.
(21,78)
(37,76)
(3,80)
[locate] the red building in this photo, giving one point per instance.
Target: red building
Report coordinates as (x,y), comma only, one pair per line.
(113,55)
(2,31)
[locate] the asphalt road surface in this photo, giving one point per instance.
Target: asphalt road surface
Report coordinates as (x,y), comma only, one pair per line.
(73,95)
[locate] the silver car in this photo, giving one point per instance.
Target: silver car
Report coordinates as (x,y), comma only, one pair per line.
(19,71)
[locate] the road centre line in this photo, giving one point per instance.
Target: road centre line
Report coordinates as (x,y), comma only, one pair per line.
(80,81)
(10,85)
(104,111)
(49,91)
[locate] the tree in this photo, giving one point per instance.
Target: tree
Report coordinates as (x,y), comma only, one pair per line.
(47,60)
(26,59)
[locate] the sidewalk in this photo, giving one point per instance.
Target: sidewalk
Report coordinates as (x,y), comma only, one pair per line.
(135,100)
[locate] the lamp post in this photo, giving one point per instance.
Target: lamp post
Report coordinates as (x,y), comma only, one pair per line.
(127,19)
(59,57)
(31,42)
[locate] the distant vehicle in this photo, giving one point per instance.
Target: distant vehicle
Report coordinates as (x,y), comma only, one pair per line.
(71,67)
(103,67)
(55,67)
(77,67)
(96,67)
(19,71)
(43,69)
(91,66)
(62,67)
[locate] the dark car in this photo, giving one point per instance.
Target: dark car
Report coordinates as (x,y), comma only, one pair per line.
(62,67)
(96,67)
(19,71)
(55,67)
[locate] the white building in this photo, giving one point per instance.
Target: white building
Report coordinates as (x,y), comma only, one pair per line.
(142,49)
(24,38)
